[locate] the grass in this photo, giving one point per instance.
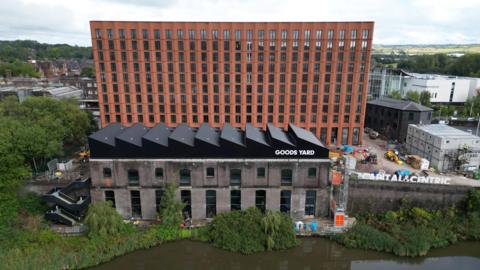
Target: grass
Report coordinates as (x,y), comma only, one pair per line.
(426,49)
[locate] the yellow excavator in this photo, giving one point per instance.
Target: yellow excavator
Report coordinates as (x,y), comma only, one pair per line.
(392,155)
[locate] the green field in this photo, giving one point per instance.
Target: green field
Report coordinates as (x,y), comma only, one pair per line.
(426,49)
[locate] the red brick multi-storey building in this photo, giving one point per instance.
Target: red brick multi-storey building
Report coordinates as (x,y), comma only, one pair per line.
(312,74)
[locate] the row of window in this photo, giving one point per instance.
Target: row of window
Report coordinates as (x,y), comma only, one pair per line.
(239,34)
(211,201)
(286,175)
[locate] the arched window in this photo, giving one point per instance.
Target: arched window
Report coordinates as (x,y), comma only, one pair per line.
(211,203)
(185,179)
(286,177)
(310,202)
(285,201)
(235,200)
(186,197)
(261,199)
(133,178)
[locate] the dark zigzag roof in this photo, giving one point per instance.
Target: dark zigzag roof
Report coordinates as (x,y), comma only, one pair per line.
(205,142)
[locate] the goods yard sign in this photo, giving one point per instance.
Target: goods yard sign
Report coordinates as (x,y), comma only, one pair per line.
(405,179)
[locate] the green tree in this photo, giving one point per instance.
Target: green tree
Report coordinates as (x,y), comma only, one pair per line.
(103,220)
(171,207)
(413,96)
(395,94)
(44,126)
(425,98)
(12,173)
(18,68)
(87,71)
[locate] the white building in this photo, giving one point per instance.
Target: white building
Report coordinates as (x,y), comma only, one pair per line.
(442,88)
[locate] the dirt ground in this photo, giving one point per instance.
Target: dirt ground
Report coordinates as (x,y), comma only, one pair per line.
(378,146)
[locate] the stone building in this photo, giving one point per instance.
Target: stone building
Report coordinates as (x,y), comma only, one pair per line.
(216,170)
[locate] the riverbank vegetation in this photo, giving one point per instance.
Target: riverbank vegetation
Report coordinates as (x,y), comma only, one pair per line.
(251,231)
(413,231)
(108,236)
(33,245)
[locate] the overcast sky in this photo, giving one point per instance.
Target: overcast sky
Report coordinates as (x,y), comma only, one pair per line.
(396,22)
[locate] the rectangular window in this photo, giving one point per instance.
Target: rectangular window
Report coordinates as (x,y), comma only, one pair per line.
(158,198)
(133,178)
(355,139)
(261,200)
(110,197)
(345,136)
(210,172)
(136,203)
(211,203)
(285,201)
(310,201)
(312,172)
(159,172)
(107,172)
(235,177)
(261,172)
(185,179)
(286,177)
(235,200)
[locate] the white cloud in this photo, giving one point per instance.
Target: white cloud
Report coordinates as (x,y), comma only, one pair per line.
(396,22)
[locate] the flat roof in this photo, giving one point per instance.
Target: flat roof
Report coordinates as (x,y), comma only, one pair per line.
(446,131)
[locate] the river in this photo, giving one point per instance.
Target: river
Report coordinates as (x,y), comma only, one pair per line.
(313,253)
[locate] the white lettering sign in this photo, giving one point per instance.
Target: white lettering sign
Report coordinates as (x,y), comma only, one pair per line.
(294,152)
(405,179)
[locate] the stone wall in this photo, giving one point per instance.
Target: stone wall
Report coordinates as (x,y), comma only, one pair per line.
(376,197)
(219,182)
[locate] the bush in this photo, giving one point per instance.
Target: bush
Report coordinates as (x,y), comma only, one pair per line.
(413,231)
(251,231)
(367,237)
(200,234)
(33,204)
(103,220)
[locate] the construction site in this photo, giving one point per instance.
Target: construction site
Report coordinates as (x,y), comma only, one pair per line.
(451,153)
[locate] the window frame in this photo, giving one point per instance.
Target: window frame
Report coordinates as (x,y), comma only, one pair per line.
(212,172)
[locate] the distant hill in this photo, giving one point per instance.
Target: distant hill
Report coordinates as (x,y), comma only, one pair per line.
(426,49)
(29,49)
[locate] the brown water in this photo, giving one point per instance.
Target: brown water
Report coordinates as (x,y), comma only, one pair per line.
(312,254)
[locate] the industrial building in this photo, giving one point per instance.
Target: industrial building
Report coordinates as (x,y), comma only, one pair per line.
(311,74)
(216,170)
(391,117)
(447,148)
